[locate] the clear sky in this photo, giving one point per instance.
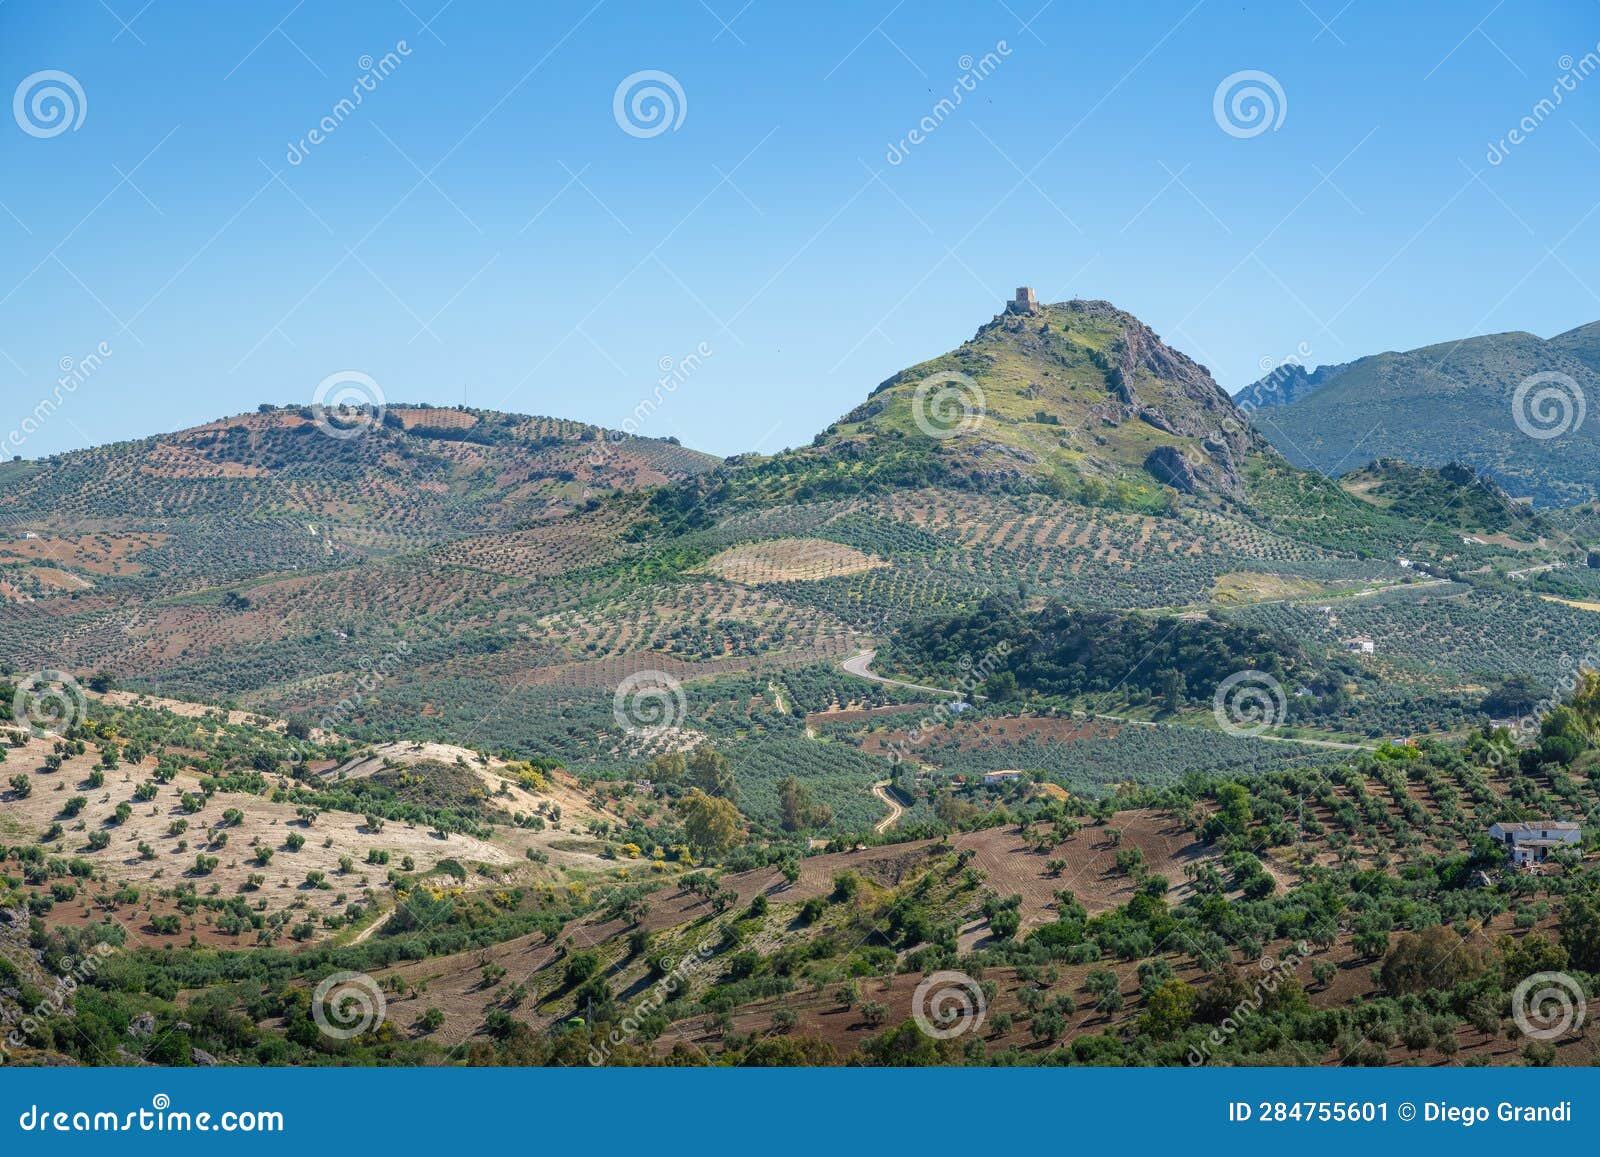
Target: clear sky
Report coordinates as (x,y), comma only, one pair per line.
(483,227)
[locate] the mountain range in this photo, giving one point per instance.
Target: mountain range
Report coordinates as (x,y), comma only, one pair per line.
(1064,454)
(1041,663)
(1510,404)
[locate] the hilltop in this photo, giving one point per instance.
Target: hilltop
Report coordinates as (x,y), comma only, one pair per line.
(1078,400)
(1285,384)
(415,472)
(1454,495)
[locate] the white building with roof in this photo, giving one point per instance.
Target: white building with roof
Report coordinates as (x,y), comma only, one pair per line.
(1532,843)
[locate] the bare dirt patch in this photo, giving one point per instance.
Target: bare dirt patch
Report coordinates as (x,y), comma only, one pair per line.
(790,560)
(1003,731)
(173,854)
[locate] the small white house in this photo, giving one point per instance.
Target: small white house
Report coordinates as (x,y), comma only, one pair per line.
(990,778)
(1532,843)
(1360,645)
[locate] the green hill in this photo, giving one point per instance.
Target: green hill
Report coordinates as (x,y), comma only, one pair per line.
(1079,400)
(1457,401)
(1454,495)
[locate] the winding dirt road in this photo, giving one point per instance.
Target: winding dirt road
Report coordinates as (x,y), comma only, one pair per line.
(881,790)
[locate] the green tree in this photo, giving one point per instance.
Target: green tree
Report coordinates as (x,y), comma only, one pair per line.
(1168,1009)
(1580,930)
(712,824)
(710,772)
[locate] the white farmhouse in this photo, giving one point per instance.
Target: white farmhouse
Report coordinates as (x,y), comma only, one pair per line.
(1532,843)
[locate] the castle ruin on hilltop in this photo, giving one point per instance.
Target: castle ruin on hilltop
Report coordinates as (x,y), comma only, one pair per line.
(1024,302)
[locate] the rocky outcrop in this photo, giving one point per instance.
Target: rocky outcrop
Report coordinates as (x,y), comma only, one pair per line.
(1168,466)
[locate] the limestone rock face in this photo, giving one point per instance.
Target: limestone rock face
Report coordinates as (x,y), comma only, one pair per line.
(1168,466)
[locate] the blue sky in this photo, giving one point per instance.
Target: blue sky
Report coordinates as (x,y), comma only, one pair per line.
(482,229)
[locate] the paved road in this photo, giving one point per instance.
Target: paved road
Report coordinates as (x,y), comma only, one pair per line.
(860,665)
